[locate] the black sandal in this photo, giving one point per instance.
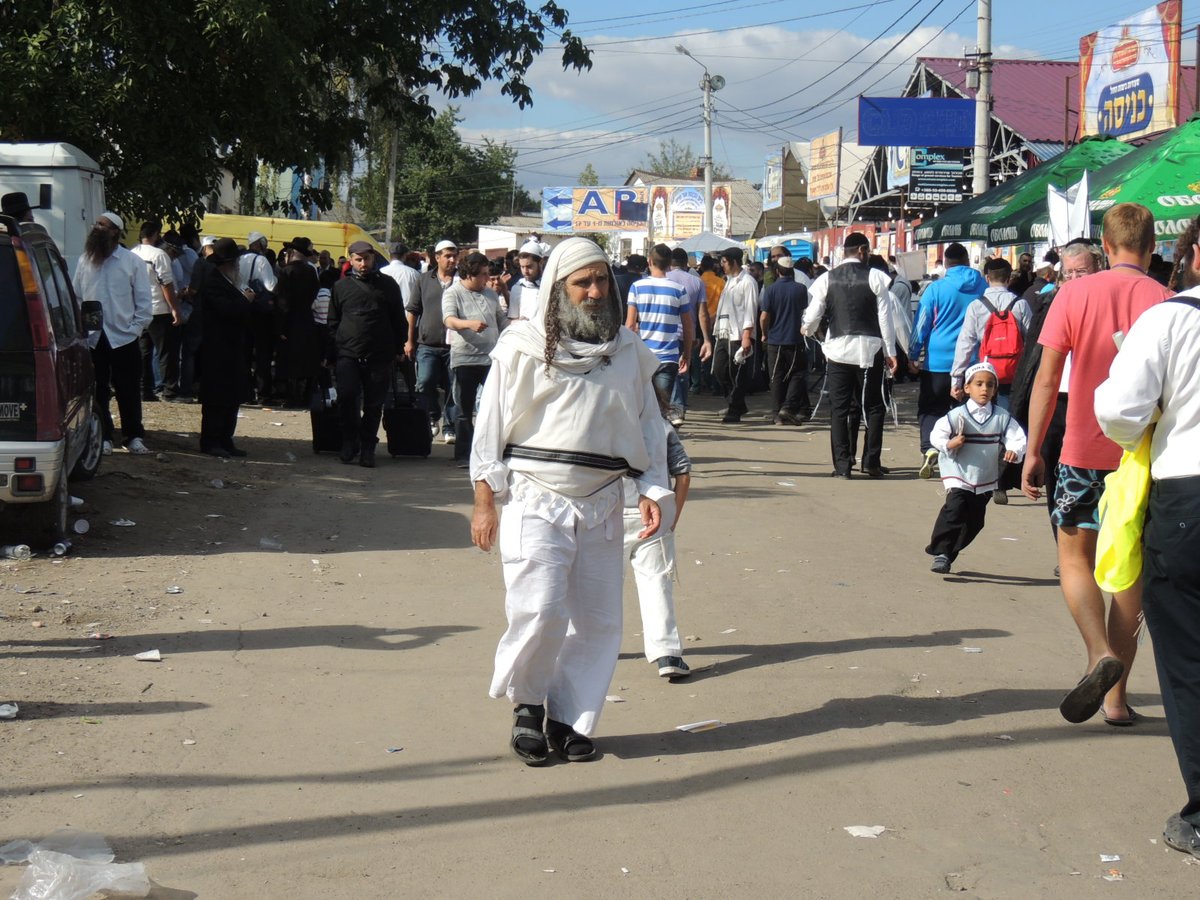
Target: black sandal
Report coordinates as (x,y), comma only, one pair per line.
(569,743)
(528,742)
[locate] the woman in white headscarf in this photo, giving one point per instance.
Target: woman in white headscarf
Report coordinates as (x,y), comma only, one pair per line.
(568,409)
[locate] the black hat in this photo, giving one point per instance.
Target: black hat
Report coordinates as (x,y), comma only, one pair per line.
(225,250)
(15,204)
(855,240)
(303,245)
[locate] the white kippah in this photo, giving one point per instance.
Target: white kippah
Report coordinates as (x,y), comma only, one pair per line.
(979,367)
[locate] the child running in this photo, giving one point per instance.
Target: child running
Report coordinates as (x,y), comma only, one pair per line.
(969,440)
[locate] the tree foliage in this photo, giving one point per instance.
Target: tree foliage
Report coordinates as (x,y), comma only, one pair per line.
(444,186)
(165,94)
(677,160)
(588,177)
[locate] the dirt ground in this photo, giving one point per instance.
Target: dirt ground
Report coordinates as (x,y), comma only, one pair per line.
(319,726)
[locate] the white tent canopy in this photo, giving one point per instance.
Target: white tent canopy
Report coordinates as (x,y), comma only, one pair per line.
(707,242)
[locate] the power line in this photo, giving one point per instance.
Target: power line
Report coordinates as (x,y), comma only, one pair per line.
(687,34)
(659,15)
(855,55)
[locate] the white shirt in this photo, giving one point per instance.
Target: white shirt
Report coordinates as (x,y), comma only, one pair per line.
(255,265)
(853,349)
(801,278)
(737,309)
(1014,435)
(405,276)
(518,394)
(159,266)
(1155,370)
(517,294)
(122,285)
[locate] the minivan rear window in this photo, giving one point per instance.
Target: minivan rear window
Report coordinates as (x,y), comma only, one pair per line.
(15,335)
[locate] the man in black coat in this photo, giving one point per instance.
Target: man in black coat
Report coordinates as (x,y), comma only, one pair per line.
(299,354)
(367,331)
(225,320)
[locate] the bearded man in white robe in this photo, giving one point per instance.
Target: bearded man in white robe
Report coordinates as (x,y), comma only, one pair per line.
(567,410)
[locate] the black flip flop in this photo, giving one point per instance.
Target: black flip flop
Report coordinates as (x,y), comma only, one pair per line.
(528,742)
(569,743)
(1132,719)
(1085,699)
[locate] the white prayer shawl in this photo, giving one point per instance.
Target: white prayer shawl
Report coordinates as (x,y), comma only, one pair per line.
(562,440)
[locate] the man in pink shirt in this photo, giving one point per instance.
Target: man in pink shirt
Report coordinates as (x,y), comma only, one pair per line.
(1088,320)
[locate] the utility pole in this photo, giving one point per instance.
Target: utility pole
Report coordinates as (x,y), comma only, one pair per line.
(391,204)
(708,84)
(981,163)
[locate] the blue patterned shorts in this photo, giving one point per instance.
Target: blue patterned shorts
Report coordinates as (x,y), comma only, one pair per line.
(1077,497)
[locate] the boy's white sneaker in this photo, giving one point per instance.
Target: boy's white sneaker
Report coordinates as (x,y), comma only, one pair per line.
(137,447)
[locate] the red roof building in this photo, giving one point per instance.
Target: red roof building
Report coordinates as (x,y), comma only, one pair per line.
(1034,118)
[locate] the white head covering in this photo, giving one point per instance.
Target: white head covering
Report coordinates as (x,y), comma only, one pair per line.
(254,237)
(533,248)
(979,367)
(114,218)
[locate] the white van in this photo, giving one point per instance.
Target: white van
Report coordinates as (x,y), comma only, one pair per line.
(64,183)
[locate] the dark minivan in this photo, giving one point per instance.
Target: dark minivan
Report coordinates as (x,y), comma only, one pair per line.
(49,427)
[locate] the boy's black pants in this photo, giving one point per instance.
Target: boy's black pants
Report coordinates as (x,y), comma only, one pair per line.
(960,520)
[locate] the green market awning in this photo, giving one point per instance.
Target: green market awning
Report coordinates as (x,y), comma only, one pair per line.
(971,219)
(1163,176)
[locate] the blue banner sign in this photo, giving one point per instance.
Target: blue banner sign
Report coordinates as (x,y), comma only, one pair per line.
(916,122)
(1127,106)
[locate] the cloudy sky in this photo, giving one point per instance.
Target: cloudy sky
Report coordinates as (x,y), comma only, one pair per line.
(793,69)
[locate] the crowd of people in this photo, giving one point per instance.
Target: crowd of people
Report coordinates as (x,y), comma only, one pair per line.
(563,381)
(1007,362)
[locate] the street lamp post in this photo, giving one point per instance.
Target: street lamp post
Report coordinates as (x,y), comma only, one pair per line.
(708,84)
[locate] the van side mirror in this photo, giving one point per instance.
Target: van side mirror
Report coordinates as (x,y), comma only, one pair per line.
(93,315)
(44,196)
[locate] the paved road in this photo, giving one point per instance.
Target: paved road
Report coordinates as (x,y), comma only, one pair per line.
(857,689)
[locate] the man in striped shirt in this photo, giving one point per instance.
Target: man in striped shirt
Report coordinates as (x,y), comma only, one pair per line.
(659,311)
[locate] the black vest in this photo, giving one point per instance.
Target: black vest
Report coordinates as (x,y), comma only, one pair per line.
(850,303)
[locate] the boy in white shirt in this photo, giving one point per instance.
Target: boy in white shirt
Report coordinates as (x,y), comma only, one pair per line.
(970,439)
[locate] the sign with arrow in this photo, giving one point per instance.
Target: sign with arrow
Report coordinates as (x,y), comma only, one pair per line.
(567,210)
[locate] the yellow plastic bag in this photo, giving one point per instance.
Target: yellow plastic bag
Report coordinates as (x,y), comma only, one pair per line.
(1122,515)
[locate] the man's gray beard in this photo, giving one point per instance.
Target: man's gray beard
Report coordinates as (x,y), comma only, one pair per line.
(579,324)
(100,244)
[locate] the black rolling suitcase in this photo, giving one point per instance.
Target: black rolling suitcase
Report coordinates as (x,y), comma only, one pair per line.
(323,411)
(406,424)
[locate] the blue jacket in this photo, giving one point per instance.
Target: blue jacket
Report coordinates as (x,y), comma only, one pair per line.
(940,316)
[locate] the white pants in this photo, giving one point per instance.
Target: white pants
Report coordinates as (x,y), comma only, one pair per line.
(653,561)
(564,614)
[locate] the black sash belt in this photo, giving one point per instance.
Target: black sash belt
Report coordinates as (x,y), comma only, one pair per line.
(573,458)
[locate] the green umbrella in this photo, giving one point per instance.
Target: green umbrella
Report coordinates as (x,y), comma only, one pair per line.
(1163,176)
(969,220)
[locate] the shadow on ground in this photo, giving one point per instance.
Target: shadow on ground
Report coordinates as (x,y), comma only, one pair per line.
(238,640)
